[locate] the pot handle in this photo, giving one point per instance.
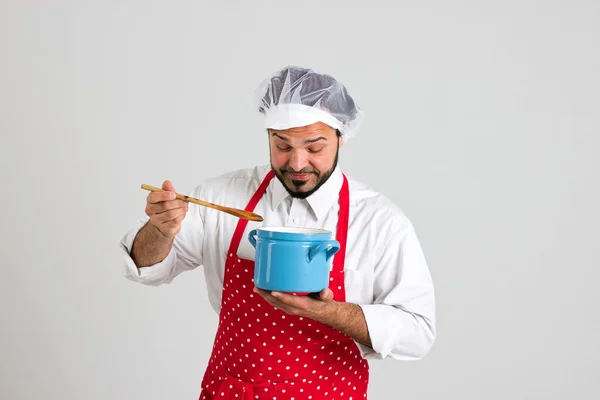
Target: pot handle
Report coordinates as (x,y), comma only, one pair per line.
(252,237)
(331,246)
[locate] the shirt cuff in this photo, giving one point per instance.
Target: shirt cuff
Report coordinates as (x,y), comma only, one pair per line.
(395,333)
(152,275)
(371,318)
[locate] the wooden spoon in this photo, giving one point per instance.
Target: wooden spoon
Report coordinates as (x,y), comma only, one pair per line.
(250,216)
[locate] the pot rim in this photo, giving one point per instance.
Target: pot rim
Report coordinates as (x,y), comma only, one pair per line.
(292,230)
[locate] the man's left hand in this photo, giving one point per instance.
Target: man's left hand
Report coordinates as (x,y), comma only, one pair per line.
(317,308)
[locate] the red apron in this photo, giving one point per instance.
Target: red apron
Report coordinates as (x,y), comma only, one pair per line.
(261,352)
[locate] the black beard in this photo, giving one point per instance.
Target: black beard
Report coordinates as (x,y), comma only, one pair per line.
(321,179)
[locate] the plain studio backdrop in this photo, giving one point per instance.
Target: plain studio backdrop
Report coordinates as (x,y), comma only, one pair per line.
(482,124)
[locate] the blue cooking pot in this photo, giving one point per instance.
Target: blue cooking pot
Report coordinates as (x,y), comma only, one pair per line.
(292,260)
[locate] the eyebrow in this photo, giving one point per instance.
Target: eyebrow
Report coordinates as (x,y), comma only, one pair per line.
(306,141)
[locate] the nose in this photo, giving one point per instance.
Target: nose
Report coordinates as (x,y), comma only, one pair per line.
(298,160)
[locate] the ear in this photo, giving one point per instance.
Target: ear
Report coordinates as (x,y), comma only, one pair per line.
(340,141)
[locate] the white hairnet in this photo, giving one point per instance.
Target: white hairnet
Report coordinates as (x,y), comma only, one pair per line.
(295,96)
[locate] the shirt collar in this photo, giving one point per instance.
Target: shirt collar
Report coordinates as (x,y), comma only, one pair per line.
(320,201)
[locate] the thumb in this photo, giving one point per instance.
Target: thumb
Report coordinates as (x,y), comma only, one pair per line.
(326,295)
(168,186)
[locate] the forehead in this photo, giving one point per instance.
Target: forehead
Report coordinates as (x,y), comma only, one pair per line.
(304,132)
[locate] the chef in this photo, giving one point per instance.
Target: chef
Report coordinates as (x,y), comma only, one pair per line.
(270,345)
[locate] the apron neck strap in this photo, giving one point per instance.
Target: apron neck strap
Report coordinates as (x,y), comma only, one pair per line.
(242,223)
(342,227)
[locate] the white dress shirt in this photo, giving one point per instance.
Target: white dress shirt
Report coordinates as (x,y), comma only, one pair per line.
(385,270)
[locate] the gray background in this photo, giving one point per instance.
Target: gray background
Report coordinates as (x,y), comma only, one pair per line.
(481,124)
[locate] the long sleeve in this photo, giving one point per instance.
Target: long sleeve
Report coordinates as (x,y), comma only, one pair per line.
(185,255)
(401,320)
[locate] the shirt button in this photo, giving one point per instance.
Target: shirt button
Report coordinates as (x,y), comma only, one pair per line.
(295,220)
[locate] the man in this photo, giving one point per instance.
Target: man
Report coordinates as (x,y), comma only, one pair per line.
(269,345)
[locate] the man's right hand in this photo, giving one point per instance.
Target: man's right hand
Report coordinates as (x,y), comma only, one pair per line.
(165,211)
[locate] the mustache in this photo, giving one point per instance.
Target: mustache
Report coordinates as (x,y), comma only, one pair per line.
(302,171)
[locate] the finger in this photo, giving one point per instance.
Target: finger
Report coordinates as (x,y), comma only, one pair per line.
(267,295)
(157,197)
(169,205)
(173,224)
(167,185)
(163,207)
(167,216)
(290,300)
(326,295)
(268,298)
(262,292)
